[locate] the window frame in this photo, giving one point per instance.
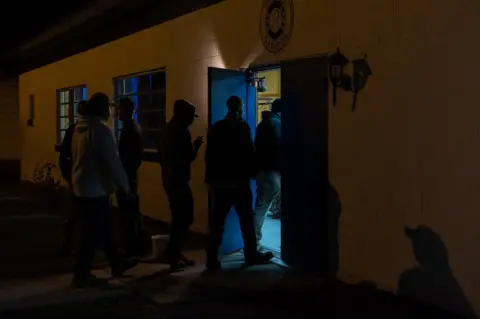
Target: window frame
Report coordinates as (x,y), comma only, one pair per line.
(149,154)
(71,107)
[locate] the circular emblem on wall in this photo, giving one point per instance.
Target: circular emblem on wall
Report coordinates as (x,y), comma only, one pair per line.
(276,24)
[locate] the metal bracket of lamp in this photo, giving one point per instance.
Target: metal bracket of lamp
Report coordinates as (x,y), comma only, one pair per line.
(337,62)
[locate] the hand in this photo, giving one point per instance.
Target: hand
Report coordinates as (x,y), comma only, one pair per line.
(198,142)
(131,196)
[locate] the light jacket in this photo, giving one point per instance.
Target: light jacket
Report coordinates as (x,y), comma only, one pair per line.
(96,167)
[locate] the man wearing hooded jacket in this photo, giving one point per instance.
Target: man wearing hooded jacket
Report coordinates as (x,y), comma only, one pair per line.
(267,146)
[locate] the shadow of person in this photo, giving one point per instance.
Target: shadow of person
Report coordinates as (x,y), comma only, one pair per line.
(432,280)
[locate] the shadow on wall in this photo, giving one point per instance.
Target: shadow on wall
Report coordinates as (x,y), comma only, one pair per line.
(334,211)
(432,280)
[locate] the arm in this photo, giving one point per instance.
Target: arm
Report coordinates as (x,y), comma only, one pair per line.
(249,149)
(138,151)
(185,150)
(208,157)
(106,148)
(278,134)
(257,135)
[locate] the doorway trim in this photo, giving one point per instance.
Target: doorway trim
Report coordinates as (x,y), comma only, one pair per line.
(256,67)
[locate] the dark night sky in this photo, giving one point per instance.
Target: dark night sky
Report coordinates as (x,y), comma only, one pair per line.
(22,20)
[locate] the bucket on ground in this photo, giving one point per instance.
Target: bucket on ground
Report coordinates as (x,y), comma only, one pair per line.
(159,244)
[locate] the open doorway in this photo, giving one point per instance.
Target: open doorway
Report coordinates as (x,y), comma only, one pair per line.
(223,83)
(268,193)
(306,222)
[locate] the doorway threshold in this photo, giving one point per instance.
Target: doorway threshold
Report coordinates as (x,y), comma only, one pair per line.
(277,261)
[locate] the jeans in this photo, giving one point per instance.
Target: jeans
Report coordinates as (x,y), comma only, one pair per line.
(181,202)
(268,189)
(240,197)
(132,225)
(71,221)
(96,234)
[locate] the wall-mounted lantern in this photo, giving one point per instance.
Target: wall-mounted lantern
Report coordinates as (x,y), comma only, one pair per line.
(31,110)
(259,83)
(361,72)
(337,62)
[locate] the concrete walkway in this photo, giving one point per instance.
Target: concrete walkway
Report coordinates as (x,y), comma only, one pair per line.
(30,235)
(235,292)
(151,280)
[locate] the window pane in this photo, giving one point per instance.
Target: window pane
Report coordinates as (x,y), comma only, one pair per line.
(150,139)
(64,96)
(63,109)
(151,120)
(158,81)
(77,94)
(118,87)
(64,123)
(144,83)
(62,135)
(127,86)
(143,102)
(134,98)
(119,125)
(119,132)
(75,109)
(159,99)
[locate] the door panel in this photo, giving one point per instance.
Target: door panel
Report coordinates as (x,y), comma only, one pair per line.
(305,163)
(251,118)
(223,84)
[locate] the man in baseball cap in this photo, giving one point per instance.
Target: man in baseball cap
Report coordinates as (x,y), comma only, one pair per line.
(184,109)
(177,152)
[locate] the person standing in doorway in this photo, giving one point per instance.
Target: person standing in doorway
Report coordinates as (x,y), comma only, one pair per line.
(96,173)
(130,149)
(177,152)
(267,146)
(230,165)
(65,164)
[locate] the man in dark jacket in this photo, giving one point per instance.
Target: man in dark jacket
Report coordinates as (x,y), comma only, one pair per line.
(267,145)
(230,165)
(65,164)
(177,152)
(130,150)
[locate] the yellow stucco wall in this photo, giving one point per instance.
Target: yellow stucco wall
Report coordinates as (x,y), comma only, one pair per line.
(408,156)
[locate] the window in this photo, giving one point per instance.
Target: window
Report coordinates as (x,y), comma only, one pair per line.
(148,92)
(67,101)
